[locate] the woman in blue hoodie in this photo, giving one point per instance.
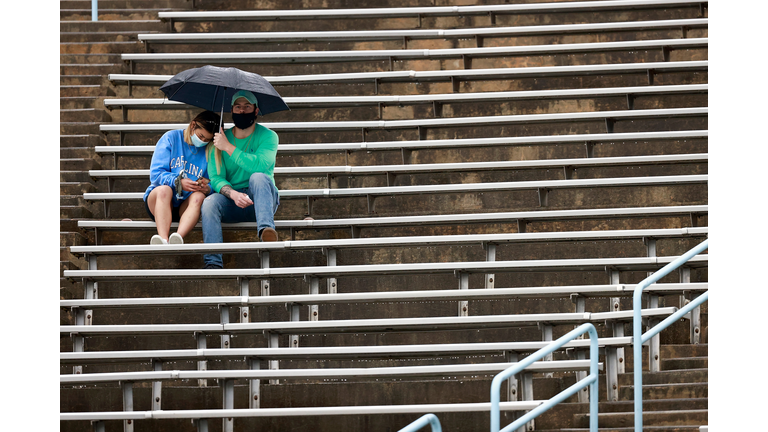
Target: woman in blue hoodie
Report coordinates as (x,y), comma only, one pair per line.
(179,176)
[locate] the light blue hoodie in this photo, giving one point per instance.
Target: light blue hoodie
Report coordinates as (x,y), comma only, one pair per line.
(172,155)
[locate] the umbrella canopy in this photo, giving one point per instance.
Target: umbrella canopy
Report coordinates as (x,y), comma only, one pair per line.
(211,88)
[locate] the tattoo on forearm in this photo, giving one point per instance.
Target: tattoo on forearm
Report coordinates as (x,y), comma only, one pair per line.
(226,190)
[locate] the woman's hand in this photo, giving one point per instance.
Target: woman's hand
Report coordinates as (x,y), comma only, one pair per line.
(190,185)
(221,142)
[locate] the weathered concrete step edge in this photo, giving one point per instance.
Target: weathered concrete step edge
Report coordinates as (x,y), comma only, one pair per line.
(654,418)
(669,376)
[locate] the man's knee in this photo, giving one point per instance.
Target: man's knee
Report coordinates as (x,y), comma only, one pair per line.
(259,179)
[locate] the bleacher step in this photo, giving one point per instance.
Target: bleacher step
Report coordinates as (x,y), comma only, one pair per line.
(85,115)
(668,376)
(650,418)
(95,47)
(667,391)
(90,69)
(79,153)
(99,58)
(80,90)
(88,26)
(78,128)
(78,164)
(106,36)
(80,102)
(75,176)
(81,140)
(127,4)
(684,363)
(111,14)
(74,212)
(75,188)
(81,80)
(72,239)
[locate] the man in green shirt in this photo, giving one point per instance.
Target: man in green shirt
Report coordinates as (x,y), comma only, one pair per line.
(241,169)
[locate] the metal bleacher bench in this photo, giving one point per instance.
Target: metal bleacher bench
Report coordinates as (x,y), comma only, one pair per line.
(412,34)
(455,75)
(407,146)
(356,224)
(437,100)
(542,187)
(280,57)
(423,11)
(422,125)
(567,165)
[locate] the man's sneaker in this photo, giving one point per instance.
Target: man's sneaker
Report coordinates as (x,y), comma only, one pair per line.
(268,235)
(175,238)
(212,266)
(157,240)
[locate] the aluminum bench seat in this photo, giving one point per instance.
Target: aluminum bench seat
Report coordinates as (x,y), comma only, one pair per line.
(294,57)
(630,93)
(432,123)
(297,411)
(590,291)
(381,242)
(321,373)
(371,35)
(360,325)
(322,171)
(421,11)
(446,75)
(326,353)
(370,193)
(582,264)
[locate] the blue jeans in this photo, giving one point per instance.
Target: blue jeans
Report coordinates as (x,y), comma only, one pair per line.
(217,209)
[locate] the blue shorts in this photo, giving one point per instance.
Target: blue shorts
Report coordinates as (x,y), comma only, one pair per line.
(175,216)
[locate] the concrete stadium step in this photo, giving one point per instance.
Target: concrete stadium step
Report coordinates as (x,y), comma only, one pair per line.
(78,164)
(101,69)
(110,14)
(127,4)
(89,59)
(75,212)
(101,47)
(67,224)
(75,176)
(81,140)
(72,80)
(668,376)
(685,350)
(79,128)
(688,417)
(685,363)
(85,115)
(78,153)
(80,102)
(655,405)
(85,27)
(76,188)
(72,239)
(80,90)
(667,391)
(102,37)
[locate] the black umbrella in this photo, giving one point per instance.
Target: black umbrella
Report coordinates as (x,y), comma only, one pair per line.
(212,88)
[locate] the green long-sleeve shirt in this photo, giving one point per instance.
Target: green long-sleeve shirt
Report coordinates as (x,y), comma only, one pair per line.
(255,153)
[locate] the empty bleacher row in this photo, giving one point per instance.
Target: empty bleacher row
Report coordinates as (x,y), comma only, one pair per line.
(459,185)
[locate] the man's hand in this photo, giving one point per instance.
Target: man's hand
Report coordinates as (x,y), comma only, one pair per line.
(241,200)
(221,142)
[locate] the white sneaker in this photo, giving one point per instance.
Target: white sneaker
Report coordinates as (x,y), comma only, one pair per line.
(157,240)
(175,238)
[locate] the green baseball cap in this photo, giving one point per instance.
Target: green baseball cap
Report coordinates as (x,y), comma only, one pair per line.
(247,95)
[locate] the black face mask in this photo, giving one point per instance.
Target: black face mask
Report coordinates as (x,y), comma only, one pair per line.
(244,121)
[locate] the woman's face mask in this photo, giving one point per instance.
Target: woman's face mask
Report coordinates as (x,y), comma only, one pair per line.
(196,141)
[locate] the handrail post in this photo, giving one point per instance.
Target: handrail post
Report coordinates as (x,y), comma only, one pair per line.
(94,10)
(426,419)
(637,326)
(591,380)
